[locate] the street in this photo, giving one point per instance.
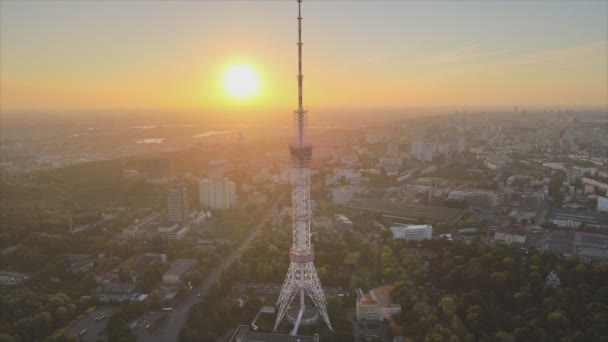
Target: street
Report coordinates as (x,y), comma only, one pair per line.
(169,330)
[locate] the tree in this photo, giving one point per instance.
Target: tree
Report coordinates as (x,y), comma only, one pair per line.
(6,338)
(433,337)
(62,315)
(447,306)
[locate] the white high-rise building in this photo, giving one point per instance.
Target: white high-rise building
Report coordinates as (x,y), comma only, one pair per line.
(422,151)
(414,232)
(217,193)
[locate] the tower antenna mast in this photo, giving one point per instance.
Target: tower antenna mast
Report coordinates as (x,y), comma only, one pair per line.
(302,276)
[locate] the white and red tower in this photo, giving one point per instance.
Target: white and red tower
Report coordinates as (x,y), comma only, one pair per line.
(302,276)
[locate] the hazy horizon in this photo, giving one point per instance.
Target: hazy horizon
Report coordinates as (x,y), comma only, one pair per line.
(66,55)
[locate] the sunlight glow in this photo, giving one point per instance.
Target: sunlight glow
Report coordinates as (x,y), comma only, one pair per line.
(241,81)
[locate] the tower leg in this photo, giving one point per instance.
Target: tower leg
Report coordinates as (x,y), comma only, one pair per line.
(315,292)
(288,291)
(302,278)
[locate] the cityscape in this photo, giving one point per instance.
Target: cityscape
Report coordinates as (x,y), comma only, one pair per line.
(437,203)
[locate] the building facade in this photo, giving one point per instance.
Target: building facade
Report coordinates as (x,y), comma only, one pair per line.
(179,268)
(342,195)
(217,193)
(376,305)
(412,232)
(422,151)
(178,208)
(602,204)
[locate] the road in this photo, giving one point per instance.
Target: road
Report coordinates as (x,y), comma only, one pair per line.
(169,330)
(93,327)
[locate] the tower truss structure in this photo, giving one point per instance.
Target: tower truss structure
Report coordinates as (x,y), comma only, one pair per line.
(302,276)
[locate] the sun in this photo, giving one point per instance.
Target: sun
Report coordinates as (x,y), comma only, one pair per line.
(241,81)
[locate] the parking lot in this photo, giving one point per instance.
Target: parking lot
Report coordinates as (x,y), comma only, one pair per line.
(93,327)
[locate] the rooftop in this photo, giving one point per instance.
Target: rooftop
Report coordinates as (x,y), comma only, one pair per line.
(383,295)
(588,217)
(409,212)
(380,295)
(140,263)
(180,266)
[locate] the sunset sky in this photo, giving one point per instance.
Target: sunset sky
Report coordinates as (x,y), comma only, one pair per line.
(148,54)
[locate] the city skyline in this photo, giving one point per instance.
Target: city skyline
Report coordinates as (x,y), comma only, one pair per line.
(96,55)
(363,171)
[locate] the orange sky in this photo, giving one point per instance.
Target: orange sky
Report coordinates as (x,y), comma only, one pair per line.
(174,55)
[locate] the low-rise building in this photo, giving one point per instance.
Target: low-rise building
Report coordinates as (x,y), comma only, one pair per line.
(155,226)
(390,164)
(587,245)
(173,231)
(343,223)
(412,232)
(376,305)
(349,175)
(179,268)
(565,218)
(595,185)
(511,235)
(475,198)
(530,202)
(136,266)
(342,194)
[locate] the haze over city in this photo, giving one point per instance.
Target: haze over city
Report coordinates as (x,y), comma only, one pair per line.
(247,171)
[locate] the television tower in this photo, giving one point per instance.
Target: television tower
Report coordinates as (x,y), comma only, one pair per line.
(302,276)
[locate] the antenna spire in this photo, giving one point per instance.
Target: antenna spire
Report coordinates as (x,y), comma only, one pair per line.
(300,76)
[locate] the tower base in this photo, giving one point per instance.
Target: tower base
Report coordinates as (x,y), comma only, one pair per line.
(301,278)
(310,316)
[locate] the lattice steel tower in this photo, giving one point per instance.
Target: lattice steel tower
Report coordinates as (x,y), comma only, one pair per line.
(302,276)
